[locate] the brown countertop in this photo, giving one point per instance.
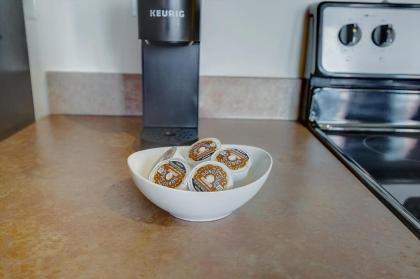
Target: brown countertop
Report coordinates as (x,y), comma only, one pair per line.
(69,209)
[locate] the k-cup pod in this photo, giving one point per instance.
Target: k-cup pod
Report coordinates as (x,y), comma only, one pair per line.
(178,155)
(168,154)
(172,153)
(202,150)
(237,160)
(171,173)
(210,177)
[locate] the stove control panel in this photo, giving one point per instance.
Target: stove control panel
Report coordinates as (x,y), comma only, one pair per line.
(369,41)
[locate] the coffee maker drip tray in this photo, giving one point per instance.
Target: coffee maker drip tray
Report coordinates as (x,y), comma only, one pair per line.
(154,137)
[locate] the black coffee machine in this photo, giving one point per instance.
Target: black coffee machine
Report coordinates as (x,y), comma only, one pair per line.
(170,34)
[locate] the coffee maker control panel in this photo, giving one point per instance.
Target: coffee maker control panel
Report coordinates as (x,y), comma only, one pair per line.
(168,21)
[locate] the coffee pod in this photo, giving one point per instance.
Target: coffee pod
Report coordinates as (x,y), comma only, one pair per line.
(237,160)
(178,154)
(210,177)
(202,150)
(171,173)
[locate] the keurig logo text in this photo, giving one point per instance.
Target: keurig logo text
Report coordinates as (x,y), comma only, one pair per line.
(167,13)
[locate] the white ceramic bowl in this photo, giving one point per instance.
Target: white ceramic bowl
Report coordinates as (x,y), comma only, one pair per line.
(199,206)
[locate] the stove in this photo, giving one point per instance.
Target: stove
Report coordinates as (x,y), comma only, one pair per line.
(362,96)
(390,162)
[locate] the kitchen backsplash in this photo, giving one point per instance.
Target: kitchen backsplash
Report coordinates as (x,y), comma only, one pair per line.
(220,97)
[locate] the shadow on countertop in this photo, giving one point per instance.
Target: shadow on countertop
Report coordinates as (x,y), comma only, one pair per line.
(127,201)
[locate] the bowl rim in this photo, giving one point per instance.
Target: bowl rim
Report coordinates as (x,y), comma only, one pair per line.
(201,193)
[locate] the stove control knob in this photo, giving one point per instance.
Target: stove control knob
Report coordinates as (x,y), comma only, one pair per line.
(383,35)
(350,34)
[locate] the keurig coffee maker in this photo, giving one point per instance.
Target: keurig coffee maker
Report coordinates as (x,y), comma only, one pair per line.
(169,30)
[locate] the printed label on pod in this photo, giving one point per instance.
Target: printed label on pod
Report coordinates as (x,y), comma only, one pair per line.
(234,159)
(170,174)
(202,150)
(210,179)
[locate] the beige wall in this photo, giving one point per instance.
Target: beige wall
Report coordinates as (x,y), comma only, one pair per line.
(246,38)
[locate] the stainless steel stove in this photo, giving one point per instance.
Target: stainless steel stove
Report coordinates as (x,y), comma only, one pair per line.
(362,96)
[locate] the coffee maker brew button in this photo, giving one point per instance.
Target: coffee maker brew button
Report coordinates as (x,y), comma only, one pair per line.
(350,34)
